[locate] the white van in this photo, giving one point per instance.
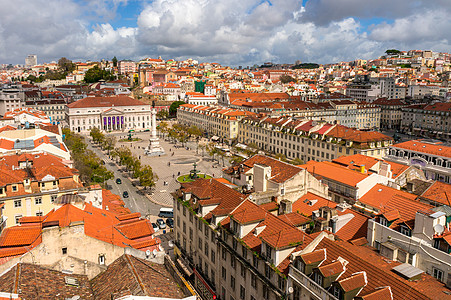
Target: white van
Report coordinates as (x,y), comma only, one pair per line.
(166,212)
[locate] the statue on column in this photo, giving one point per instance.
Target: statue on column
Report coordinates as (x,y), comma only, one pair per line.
(154,147)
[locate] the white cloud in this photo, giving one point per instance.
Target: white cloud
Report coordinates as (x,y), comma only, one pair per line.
(237,32)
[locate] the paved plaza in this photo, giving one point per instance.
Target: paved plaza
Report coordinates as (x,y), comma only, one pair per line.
(167,167)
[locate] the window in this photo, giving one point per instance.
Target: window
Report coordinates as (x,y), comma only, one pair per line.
(265,292)
(212,256)
(14,187)
(224,273)
(191,218)
(383,221)
(268,271)
(242,292)
(184,210)
(318,278)
(101,259)
(17,203)
(234,244)
(39,214)
(64,250)
(53,198)
(232,282)
(253,280)
(206,269)
(268,251)
(437,273)
(184,227)
(224,254)
(206,248)
(178,205)
(233,262)
(17,217)
(255,261)
(200,244)
(223,293)
(243,248)
(405,230)
(252,298)
(191,234)
(243,271)
(281,283)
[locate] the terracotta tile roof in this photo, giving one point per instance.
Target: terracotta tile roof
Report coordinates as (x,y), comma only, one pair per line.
(358,136)
(331,269)
(438,148)
(379,272)
(36,282)
(295,219)
(19,236)
(438,192)
(141,277)
(270,206)
(248,212)
(309,203)
(105,102)
(315,256)
(100,224)
(355,161)
(213,192)
(280,171)
(378,294)
(114,203)
(353,282)
(334,172)
(354,228)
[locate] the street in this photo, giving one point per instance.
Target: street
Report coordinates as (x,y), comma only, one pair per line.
(167,167)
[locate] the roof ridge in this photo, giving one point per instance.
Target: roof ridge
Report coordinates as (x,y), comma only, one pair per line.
(136,275)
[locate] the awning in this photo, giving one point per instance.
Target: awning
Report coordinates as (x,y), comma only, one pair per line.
(184,266)
(215,138)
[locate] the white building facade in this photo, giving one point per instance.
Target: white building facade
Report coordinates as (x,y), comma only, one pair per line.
(118,113)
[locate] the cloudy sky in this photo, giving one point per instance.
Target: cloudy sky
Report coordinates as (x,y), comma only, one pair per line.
(232,32)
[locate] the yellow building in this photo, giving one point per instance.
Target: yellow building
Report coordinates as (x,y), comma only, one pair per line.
(30,184)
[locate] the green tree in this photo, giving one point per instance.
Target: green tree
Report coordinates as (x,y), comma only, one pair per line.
(235,160)
(114,60)
(392,52)
(147,177)
(97,135)
(280,156)
(162,114)
(297,161)
(173,108)
(66,65)
(95,74)
(286,79)
(109,143)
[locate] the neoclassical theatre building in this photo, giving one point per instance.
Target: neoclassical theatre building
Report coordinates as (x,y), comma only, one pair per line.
(117,113)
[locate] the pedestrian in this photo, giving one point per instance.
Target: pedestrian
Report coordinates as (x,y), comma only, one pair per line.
(173,175)
(178,174)
(140,157)
(169,163)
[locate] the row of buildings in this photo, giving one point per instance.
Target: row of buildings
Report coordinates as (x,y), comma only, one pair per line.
(323,230)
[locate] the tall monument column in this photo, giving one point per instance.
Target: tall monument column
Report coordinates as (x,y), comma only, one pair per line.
(154,147)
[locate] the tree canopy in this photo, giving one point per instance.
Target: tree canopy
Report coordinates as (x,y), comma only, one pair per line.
(95,74)
(174,106)
(392,51)
(286,79)
(114,60)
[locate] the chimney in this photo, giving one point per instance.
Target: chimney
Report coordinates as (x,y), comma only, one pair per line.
(362,169)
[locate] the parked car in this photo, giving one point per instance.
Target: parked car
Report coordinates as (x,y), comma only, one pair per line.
(155,227)
(118,181)
(161,223)
(170,222)
(125,194)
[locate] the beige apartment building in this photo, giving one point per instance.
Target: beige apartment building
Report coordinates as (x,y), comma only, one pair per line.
(310,140)
(216,121)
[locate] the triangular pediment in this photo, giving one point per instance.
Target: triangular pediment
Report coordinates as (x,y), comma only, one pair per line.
(111,112)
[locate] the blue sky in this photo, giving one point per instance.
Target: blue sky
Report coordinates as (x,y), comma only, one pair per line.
(232,32)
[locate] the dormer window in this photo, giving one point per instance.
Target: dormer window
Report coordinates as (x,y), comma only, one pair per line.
(383,221)
(318,278)
(268,252)
(405,230)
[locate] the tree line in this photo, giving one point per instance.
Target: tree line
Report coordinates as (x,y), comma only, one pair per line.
(124,156)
